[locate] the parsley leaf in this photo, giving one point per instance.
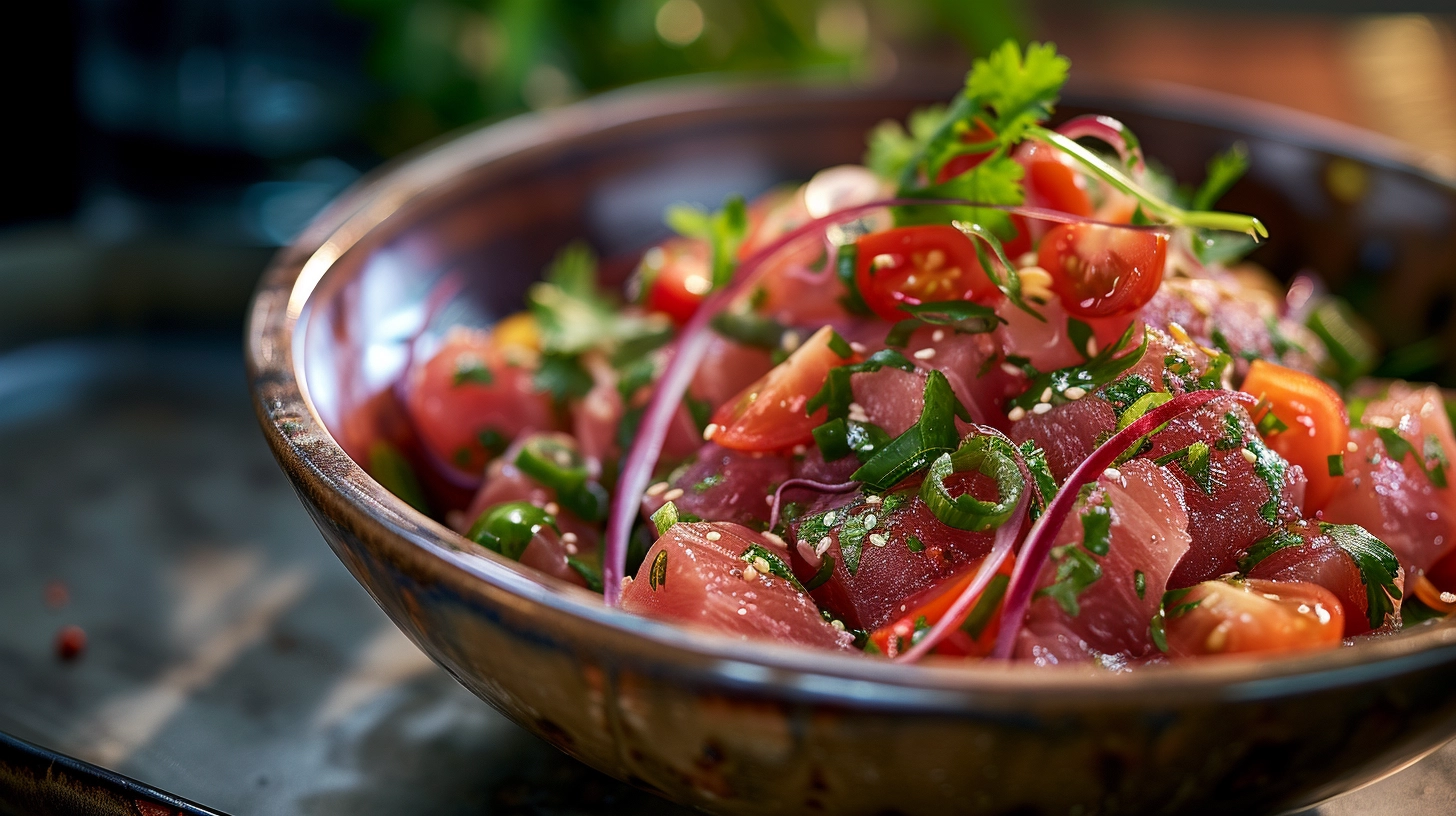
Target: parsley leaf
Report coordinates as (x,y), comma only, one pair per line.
(1377,564)
(1089,376)
(724,230)
(575,316)
(962,316)
(1224,169)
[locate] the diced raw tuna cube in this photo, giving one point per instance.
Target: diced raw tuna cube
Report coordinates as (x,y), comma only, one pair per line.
(1401,502)
(695,575)
(1139,518)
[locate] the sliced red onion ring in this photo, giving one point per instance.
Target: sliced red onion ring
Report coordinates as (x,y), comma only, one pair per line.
(1039,541)
(1006,537)
(1111,131)
(810,484)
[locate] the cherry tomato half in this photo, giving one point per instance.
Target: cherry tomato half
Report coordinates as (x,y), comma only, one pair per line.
(928,607)
(678,277)
(1252,615)
(918,265)
(1101,271)
(1052,181)
(769,414)
(1317,425)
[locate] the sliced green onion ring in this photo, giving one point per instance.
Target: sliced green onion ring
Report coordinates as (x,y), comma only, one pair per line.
(992,457)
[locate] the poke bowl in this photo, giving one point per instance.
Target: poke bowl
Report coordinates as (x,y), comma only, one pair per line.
(457,234)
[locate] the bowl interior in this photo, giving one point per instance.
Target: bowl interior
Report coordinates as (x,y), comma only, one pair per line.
(456,235)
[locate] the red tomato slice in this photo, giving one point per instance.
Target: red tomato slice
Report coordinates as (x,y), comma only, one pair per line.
(1052,180)
(1252,615)
(769,414)
(928,607)
(679,277)
(1101,271)
(918,265)
(1318,426)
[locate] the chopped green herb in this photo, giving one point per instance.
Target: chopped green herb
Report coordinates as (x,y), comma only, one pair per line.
(708,483)
(724,230)
(839,345)
(1089,376)
(1224,169)
(961,316)
(914,544)
(1377,564)
(470,370)
(1433,461)
(391,469)
(750,329)
(1270,467)
(1097,528)
(575,316)
(1140,583)
(839,437)
(851,542)
(986,606)
(664,518)
(563,376)
(1193,460)
(776,565)
(836,394)
(589,572)
(1077,569)
(657,576)
(1124,393)
(844,268)
(933,434)
(1041,474)
(493,441)
(1434,453)
(822,576)
(1336,464)
(1079,333)
(1268,545)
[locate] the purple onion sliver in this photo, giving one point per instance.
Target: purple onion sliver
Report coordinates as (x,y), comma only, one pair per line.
(822,487)
(1006,537)
(1039,541)
(1105,129)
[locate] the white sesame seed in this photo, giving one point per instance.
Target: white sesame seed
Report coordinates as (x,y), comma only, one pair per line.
(790,340)
(1091,347)
(572,549)
(870,521)
(1113,474)
(1046,394)
(761,565)
(799,450)
(657,489)
(873,499)
(710,431)
(1351,447)
(1448,597)
(822,546)
(1016,414)
(829,519)
(743,610)
(768,499)
(1041,408)
(1011,369)
(552,508)
(568,538)
(713,535)
(857,347)
(937,335)
(673,494)
(837,624)
(1249,456)
(1076,392)
(877,539)
(855,407)
(924,354)
(749,573)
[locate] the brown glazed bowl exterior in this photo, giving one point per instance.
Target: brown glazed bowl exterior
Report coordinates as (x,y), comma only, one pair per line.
(755,728)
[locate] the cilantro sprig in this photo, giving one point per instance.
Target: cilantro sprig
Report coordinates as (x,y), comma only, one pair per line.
(723,229)
(1102,368)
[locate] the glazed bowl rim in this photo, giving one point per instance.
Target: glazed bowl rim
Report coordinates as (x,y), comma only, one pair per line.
(317,463)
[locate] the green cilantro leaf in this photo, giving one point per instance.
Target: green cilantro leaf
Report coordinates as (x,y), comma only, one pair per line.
(1377,564)
(724,230)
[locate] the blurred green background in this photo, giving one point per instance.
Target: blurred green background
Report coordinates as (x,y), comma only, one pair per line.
(446,63)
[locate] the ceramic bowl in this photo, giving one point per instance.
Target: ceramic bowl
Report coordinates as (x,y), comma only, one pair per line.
(747,727)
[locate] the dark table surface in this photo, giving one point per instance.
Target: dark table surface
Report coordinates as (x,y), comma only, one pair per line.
(230,658)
